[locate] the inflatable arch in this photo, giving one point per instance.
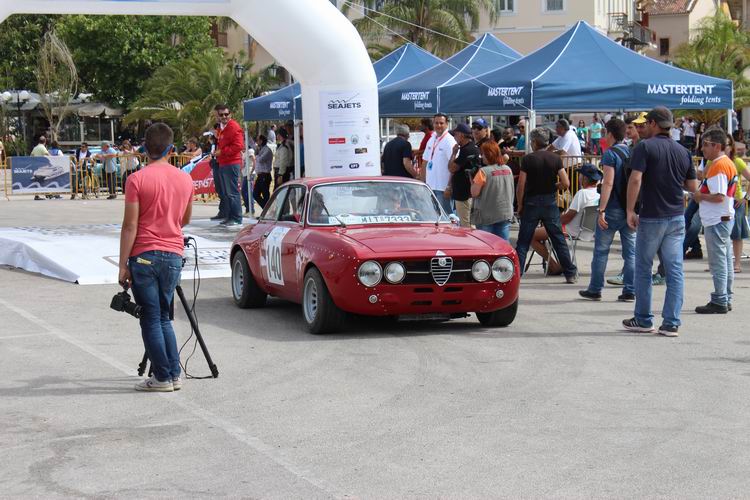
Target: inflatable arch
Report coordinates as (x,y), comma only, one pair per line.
(310,38)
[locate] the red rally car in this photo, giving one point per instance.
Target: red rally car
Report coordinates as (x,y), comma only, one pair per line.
(377,246)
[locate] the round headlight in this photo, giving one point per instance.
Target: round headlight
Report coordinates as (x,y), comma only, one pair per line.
(502,269)
(480,271)
(395,272)
(370,273)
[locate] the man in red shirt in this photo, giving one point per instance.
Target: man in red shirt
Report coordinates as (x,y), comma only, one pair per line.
(231,144)
(158,202)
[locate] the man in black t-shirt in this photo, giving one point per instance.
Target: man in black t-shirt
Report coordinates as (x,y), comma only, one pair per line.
(463,163)
(537,201)
(661,171)
(397,155)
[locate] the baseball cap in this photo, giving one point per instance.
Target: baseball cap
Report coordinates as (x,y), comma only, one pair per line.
(463,128)
(590,171)
(641,119)
(662,116)
(479,123)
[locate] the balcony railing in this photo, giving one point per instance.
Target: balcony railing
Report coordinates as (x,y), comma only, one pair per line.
(631,33)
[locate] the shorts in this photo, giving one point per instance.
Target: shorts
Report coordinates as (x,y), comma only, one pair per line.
(740,231)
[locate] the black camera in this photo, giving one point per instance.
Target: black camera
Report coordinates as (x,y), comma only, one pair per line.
(123,303)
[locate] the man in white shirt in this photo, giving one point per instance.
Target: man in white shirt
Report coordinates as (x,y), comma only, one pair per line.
(435,160)
(688,133)
(567,141)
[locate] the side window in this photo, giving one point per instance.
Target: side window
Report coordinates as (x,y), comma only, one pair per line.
(292,208)
(271,212)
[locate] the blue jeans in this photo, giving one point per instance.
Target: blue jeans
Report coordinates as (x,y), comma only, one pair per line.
(617,221)
(230,176)
(246,195)
(543,208)
(446,203)
(155,275)
(692,227)
(219,192)
(719,248)
(665,236)
(501,229)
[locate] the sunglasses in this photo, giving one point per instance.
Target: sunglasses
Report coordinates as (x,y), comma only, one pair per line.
(224,114)
(711,142)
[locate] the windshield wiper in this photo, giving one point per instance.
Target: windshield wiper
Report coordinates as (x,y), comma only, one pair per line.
(323,206)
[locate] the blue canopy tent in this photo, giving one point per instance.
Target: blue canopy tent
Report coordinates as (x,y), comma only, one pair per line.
(583,70)
(417,95)
(284,104)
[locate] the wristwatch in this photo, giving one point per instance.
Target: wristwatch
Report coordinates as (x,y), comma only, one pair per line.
(601,210)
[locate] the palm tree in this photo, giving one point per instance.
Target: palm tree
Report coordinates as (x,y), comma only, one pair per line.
(184,93)
(719,49)
(440,26)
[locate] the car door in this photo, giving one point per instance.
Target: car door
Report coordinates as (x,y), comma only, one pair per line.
(265,229)
(288,230)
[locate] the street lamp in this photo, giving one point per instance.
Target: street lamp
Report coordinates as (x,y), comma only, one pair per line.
(21,98)
(239,70)
(273,70)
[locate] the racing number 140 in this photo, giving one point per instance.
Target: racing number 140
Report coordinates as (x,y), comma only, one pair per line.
(275,274)
(273,255)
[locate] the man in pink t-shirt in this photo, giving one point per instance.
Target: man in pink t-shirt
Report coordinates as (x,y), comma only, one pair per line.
(158,202)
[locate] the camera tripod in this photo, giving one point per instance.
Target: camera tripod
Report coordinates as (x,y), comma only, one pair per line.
(194,325)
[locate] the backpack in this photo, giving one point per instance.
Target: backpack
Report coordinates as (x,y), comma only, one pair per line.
(621,190)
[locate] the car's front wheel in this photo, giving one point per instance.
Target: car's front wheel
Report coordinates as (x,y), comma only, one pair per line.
(320,313)
(501,317)
(245,290)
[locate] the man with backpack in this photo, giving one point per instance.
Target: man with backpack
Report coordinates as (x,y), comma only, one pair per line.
(612,216)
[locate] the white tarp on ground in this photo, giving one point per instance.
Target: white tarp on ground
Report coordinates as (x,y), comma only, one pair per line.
(88,254)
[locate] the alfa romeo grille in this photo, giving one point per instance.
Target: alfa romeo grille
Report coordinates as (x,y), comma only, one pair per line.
(441,268)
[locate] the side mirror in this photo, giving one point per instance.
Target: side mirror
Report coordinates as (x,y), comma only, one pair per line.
(454,219)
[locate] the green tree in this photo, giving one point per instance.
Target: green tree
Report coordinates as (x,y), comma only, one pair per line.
(57,81)
(184,93)
(20,41)
(719,49)
(409,18)
(115,55)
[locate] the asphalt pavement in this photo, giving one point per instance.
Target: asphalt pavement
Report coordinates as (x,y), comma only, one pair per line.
(563,403)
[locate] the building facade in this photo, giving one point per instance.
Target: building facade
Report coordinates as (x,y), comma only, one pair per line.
(674,22)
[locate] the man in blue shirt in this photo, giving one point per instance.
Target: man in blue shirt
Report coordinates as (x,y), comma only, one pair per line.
(612,217)
(663,168)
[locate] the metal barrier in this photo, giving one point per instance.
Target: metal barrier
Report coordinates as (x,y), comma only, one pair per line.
(571,163)
(5,175)
(91,177)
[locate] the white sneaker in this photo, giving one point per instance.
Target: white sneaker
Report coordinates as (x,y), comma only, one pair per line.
(177,383)
(152,385)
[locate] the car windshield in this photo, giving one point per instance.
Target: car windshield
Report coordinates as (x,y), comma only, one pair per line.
(373,202)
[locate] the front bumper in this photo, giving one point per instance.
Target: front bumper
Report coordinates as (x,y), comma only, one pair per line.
(387,300)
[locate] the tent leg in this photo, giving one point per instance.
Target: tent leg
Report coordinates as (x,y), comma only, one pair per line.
(492,122)
(387,129)
(297,159)
(251,208)
(529,127)
(729,122)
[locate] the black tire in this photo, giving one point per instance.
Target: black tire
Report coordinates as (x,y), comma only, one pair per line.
(501,317)
(245,290)
(321,315)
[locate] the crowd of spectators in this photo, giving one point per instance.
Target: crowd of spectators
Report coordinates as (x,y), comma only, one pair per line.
(639,175)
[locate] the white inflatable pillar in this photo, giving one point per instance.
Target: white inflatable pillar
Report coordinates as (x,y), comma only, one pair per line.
(312,40)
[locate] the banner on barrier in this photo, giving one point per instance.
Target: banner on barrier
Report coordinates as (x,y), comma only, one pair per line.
(40,174)
(203,177)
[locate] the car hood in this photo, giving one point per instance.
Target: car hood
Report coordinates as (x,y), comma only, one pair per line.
(418,238)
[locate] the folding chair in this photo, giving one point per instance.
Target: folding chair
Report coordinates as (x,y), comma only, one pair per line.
(589,218)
